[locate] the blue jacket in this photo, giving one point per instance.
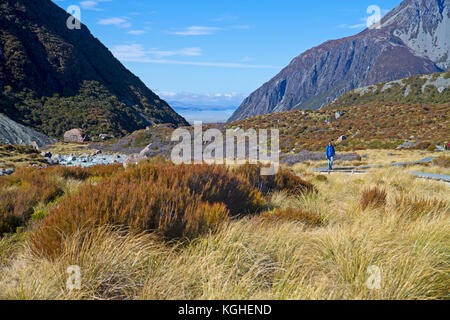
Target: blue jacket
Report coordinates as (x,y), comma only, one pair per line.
(330,152)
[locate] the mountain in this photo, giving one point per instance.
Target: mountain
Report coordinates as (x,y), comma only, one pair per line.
(13,133)
(425,89)
(54,79)
(413,39)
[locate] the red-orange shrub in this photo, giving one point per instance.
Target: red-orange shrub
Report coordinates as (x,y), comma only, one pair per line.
(374,198)
(20,193)
(212,183)
(282,181)
(137,205)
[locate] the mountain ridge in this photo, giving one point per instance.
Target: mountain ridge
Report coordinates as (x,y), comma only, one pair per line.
(323,73)
(45,69)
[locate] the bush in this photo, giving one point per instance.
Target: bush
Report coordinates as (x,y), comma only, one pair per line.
(282,181)
(39,215)
(374,198)
(213,183)
(174,202)
(138,206)
(83,174)
(20,193)
(290,214)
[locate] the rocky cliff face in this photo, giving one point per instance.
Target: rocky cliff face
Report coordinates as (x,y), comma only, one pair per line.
(13,133)
(55,79)
(413,40)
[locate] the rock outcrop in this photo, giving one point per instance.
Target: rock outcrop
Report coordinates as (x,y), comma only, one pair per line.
(12,132)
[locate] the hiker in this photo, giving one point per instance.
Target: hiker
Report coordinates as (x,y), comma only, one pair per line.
(331,152)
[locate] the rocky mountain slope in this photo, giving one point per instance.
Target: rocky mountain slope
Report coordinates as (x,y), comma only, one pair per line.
(425,89)
(12,132)
(54,79)
(413,39)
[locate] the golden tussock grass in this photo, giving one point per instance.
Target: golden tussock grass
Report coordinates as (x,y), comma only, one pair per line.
(374,198)
(254,258)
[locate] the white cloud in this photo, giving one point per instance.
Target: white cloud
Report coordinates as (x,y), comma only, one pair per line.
(187,52)
(137,53)
(116,21)
(91,4)
(137,32)
(129,52)
(203,64)
(196,31)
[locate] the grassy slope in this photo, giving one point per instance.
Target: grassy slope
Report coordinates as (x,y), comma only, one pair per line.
(383,126)
(20,156)
(395,92)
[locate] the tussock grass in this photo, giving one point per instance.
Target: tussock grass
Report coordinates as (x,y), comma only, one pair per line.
(374,198)
(252,258)
(291,214)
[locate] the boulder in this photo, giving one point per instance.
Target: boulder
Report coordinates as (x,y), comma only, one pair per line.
(46,154)
(147,151)
(338,114)
(35,145)
(6,172)
(407,144)
(96,153)
(75,135)
(133,159)
(341,138)
(105,136)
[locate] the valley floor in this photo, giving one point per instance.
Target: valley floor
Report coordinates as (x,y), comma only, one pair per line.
(396,248)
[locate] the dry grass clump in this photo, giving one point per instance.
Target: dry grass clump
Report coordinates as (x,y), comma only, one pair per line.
(113,264)
(373,198)
(290,214)
(415,207)
(442,161)
(282,181)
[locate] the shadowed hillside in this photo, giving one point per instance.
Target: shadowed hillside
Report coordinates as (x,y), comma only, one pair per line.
(54,79)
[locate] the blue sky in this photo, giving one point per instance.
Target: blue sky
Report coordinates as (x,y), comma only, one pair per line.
(211,54)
